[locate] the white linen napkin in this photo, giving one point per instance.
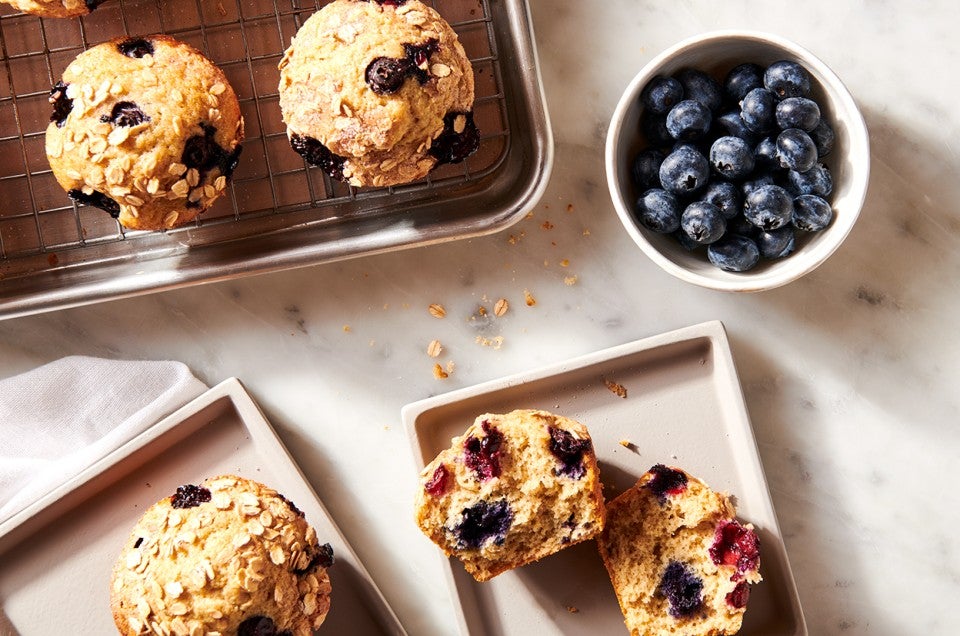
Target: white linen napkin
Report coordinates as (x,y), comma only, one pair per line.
(60,418)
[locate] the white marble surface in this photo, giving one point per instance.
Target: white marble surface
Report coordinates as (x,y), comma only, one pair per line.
(849,374)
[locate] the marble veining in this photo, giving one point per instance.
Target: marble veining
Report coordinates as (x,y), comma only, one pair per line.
(849,374)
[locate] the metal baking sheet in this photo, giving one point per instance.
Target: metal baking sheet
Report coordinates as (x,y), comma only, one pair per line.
(75,533)
(280,213)
(673,399)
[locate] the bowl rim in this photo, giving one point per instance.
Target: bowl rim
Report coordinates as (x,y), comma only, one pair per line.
(859,178)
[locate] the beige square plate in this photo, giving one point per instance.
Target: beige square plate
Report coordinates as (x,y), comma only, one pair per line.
(683,406)
(57,554)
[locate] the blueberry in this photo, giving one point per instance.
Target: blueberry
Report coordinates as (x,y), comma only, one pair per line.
(765,154)
(385,75)
(731,123)
(682,588)
(136,47)
(189,496)
(734,253)
(661,94)
(740,225)
(654,128)
(260,626)
(646,169)
(769,207)
(685,241)
(798,112)
(795,150)
(731,157)
(776,243)
(689,120)
(823,136)
(726,196)
(758,110)
(658,210)
(741,80)
(758,181)
(453,146)
(816,181)
(96,200)
(685,171)
(483,522)
(418,56)
(321,556)
(736,545)
(739,596)
(482,454)
(787,79)
(316,154)
(665,481)
(703,222)
(569,452)
(700,87)
(125,114)
(811,213)
(62,105)
(93,4)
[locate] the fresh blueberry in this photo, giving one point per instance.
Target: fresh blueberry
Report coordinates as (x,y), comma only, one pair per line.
(769,207)
(740,225)
(726,196)
(732,124)
(661,94)
(734,253)
(689,120)
(787,79)
(685,171)
(758,181)
(682,588)
(732,157)
(659,211)
(385,75)
(483,522)
(741,80)
(816,181)
(646,168)
(62,105)
(685,241)
(654,128)
(823,136)
(776,243)
(758,109)
(316,154)
(765,154)
(96,200)
(798,112)
(460,138)
(795,150)
(703,222)
(811,213)
(700,87)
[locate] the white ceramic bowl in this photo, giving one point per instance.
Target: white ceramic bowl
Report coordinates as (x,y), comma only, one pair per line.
(849,162)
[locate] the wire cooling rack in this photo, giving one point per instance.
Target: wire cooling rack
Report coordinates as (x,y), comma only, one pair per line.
(280,213)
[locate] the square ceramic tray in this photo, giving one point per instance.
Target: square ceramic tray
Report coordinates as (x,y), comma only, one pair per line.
(279,213)
(684,407)
(58,553)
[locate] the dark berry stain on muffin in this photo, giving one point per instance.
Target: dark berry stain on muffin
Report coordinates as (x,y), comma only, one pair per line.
(438,484)
(125,114)
(203,153)
(189,496)
(460,139)
(291,505)
(569,452)
(136,47)
(418,55)
(320,556)
(682,588)
(483,522)
(93,4)
(665,482)
(316,154)
(482,454)
(97,200)
(260,626)
(735,545)
(62,105)
(739,596)
(385,75)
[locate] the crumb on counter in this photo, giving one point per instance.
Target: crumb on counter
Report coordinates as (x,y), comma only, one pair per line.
(436,310)
(617,389)
(434,348)
(439,373)
(528,298)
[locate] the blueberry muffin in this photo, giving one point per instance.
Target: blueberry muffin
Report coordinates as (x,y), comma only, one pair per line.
(145,128)
(679,560)
(230,556)
(511,490)
(55,8)
(378,93)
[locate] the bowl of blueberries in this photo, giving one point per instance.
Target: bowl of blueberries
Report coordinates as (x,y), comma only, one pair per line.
(737,161)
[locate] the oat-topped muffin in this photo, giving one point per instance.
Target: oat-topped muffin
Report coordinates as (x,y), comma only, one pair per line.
(145,128)
(230,556)
(55,8)
(512,489)
(378,93)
